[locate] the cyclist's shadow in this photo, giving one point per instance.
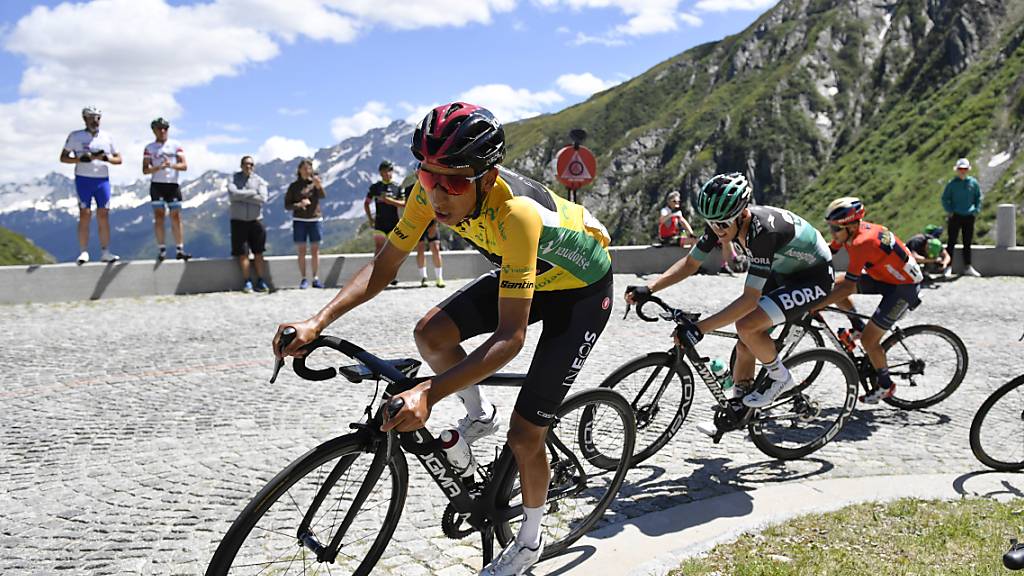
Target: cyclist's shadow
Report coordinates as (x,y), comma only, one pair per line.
(864,423)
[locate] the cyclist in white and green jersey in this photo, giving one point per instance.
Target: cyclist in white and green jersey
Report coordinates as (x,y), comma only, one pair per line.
(790,271)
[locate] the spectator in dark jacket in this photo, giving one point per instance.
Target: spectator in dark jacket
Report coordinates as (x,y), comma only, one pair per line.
(248,193)
(962,201)
(303,200)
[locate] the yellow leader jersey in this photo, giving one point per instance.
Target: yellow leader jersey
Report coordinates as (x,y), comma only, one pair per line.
(540,240)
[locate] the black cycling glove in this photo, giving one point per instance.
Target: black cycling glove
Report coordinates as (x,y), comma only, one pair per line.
(640,293)
(688,333)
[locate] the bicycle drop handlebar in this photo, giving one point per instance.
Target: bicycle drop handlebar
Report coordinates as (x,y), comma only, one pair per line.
(671,313)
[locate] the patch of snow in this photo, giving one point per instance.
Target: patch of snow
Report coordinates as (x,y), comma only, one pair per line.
(199,199)
(885,29)
(127,200)
(823,120)
(998,159)
(24,197)
(833,90)
(355,210)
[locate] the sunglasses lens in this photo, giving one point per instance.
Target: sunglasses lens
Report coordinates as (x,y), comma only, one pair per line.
(454,185)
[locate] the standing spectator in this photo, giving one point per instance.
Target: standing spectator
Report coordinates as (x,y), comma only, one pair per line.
(433,237)
(303,199)
(387,199)
(89,150)
(164,158)
(673,229)
(248,193)
(927,249)
(962,201)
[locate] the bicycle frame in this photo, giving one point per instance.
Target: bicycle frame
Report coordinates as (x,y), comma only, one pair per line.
(479,508)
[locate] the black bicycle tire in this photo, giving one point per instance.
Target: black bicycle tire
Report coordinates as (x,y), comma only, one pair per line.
(233,539)
(953,384)
(667,360)
(978,421)
(503,531)
(852,383)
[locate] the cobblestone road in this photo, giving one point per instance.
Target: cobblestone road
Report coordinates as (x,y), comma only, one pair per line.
(135,430)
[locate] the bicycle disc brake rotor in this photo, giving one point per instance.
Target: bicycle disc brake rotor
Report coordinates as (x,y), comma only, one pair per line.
(454,525)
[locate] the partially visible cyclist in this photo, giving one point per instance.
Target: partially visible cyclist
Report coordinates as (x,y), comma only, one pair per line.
(790,272)
(879,264)
(554,266)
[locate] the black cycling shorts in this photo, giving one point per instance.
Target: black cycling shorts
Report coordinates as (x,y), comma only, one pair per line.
(430,234)
(251,234)
(165,193)
(896,299)
(573,321)
(791,296)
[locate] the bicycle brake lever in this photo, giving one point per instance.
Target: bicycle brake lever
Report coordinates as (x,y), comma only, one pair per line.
(286,338)
(628,306)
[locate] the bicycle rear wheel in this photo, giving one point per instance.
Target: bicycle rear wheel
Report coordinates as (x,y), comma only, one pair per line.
(322,484)
(811,414)
(921,383)
(660,392)
(997,431)
(590,424)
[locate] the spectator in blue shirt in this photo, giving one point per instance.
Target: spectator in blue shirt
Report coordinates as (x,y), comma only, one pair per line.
(962,201)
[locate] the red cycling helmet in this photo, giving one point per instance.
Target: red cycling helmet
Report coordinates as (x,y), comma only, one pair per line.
(459,135)
(844,210)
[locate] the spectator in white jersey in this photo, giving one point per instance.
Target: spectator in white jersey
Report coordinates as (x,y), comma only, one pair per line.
(163,158)
(90,150)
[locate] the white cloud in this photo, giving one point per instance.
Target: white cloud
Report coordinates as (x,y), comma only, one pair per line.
(644,18)
(727,5)
(285,111)
(508,103)
(201,158)
(582,39)
(373,115)
(283,148)
(582,84)
(132,57)
(691,19)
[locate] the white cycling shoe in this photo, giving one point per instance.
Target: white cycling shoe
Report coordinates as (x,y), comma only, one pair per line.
(759,399)
(514,560)
(473,430)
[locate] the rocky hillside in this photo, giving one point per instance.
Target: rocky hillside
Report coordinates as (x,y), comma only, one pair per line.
(816,99)
(16,249)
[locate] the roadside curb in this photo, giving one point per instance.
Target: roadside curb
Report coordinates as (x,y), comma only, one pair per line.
(655,543)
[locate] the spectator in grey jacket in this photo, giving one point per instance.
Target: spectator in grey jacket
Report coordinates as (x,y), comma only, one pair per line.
(248,192)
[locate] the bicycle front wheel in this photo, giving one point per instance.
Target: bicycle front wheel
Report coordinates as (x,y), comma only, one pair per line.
(321,487)
(660,391)
(593,424)
(922,382)
(997,431)
(811,414)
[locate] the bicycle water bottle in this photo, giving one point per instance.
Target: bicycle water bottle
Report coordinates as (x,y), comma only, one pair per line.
(847,339)
(459,454)
(721,371)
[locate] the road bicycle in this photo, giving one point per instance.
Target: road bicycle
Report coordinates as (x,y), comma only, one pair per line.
(926,362)
(659,387)
(997,431)
(336,508)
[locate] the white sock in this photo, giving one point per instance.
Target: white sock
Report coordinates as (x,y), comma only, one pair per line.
(529,530)
(777,371)
(473,399)
(423,272)
(437,273)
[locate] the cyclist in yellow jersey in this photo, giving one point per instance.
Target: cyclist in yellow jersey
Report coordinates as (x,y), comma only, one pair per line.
(552,266)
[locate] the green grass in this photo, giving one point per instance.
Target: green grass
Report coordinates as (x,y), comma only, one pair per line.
(908,536)
(17,250)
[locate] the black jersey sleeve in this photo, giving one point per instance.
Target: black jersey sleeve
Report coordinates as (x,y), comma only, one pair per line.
(705,244)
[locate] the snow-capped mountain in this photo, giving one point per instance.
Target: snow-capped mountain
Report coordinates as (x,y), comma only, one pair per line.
(46,209)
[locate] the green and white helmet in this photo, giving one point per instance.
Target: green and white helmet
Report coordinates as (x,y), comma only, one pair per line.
(723,197)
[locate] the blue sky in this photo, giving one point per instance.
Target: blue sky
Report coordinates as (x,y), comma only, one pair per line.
(284,77)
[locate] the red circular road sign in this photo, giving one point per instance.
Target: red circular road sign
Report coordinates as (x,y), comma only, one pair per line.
(575,167)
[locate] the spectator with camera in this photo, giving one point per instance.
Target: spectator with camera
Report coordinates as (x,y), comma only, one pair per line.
(303,200)
(90,150)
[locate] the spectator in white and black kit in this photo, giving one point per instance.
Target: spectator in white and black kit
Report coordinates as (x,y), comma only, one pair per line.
(90,150)
(303,200)
(248,193)
(164,158)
